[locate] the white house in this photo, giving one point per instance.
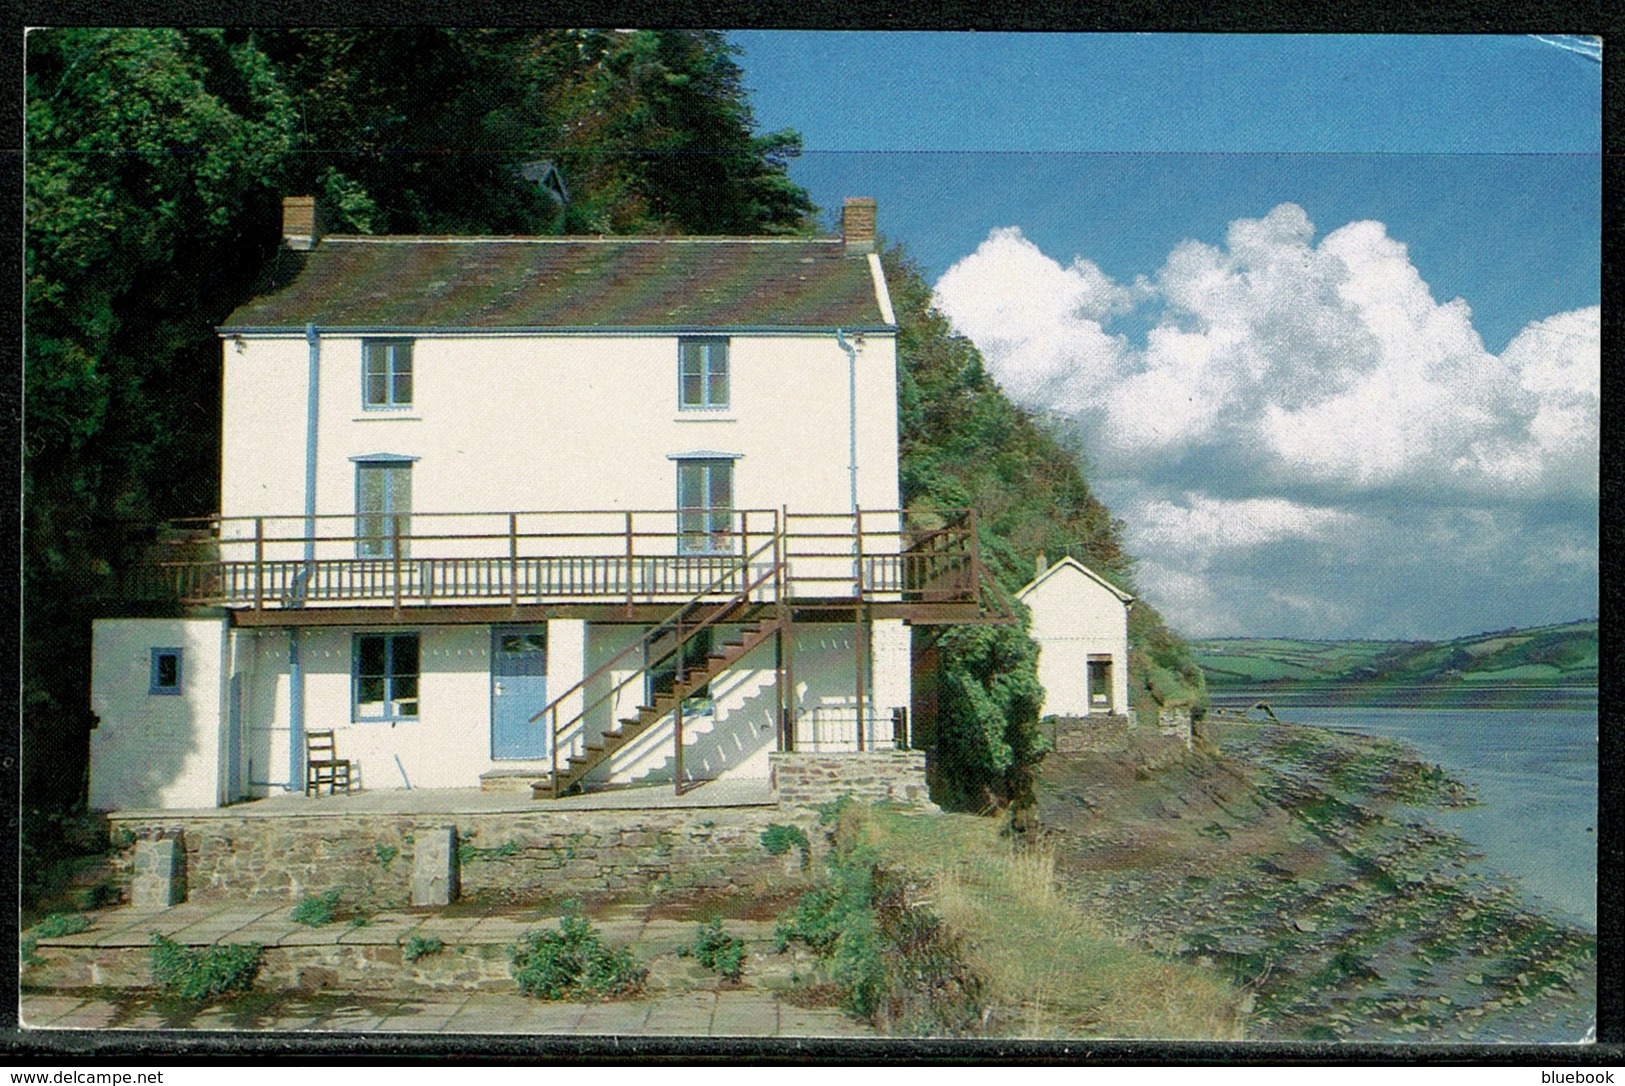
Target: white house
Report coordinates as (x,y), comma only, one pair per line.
(1080,622)
(572,511)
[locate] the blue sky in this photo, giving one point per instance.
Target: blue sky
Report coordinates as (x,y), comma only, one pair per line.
(1366,267)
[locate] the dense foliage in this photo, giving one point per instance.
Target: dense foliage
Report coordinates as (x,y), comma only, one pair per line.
(157,160)
(963,443)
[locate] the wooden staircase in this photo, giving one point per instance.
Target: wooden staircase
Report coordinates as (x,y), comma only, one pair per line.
(722,657)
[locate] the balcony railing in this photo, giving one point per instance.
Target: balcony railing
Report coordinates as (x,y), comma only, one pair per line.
(627,556)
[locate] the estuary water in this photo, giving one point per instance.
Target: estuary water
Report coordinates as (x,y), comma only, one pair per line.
(1529,753)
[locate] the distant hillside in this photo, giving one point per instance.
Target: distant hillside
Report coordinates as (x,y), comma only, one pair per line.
(1565,653)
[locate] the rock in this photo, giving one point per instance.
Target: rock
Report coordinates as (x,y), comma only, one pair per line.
(1305,925)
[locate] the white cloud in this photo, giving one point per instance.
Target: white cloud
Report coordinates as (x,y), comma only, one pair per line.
(1279,367)
(1326,363)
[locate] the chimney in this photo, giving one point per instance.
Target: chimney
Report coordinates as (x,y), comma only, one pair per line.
(1042,564)
(858,224)
(300,227)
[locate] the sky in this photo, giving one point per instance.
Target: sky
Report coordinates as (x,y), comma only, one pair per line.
(1323,310)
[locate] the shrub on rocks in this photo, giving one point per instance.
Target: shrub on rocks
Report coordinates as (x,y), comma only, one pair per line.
(573,962)
(204,973)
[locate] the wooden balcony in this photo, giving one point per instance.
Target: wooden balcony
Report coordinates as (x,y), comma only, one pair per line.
(283,569)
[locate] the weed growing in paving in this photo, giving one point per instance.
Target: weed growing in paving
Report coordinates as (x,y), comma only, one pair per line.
(717,951)
(317,909)
(203,973)
(780,838)
(574,962)
(421,946)
(386,855)
(52,927)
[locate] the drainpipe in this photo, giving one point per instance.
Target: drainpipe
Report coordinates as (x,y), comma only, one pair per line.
(296,671)
(852,411)
(296,713)
(858,640)
(314,384)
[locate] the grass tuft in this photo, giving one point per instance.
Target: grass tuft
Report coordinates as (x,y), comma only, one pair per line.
(1049,968)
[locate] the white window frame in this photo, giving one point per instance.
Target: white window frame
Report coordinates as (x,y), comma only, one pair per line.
(397,363)
(714,366)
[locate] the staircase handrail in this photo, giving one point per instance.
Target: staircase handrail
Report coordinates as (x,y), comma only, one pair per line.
(678,691)
(657,631)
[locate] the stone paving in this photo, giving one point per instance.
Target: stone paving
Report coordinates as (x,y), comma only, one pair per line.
(717,1013)
(680,999)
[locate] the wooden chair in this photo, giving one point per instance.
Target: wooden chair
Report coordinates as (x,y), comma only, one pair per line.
(323,765)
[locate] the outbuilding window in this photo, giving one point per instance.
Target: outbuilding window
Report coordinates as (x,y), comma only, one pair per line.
(703,373)
(166,672)
(386,377)
(386,676)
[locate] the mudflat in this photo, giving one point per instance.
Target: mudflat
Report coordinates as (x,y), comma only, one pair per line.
(1302,862)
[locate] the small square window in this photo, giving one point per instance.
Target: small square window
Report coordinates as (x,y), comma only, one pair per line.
(166,672)
(702,374)
(386,373)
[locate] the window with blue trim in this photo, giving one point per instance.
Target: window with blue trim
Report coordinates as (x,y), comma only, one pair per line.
(386,676)
(166,672)
(703,374)
(386,377)
(705,497)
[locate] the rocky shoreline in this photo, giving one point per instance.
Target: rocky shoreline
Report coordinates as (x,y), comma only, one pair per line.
(1300,861)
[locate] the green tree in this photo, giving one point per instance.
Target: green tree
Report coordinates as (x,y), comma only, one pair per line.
(148,154)
(963,443)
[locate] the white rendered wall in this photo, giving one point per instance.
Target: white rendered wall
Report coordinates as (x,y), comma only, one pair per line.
(157,750)
(447,746)
(1074,617)
(555,423)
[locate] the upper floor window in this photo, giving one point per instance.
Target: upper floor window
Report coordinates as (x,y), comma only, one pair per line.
(386,378)
(166,672)
(383,506)
(703,377)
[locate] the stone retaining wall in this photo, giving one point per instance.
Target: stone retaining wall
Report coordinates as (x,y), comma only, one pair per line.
(1096,734)
(502,856)
(805,781)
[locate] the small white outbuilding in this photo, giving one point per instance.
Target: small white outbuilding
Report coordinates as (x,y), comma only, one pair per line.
(1080,622)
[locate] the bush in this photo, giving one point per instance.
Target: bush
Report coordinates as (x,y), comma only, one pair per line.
(779,839)
(421,946)
(204,973)
(718,951)
(892,961)
(317,909)
(573,961)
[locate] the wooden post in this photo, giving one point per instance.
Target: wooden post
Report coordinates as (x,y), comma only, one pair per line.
(259,563)
(677,773)
(395,551)
(975,560)
(553,747)
(513,561)
(628,563)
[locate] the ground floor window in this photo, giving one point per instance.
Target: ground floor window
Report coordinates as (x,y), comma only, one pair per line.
(1100,683)
(166,672)
(386,676)
(662,673)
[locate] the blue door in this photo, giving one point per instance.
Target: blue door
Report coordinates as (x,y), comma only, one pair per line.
(518,691)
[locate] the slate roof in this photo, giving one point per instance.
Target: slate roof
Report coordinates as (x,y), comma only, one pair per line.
(411,283)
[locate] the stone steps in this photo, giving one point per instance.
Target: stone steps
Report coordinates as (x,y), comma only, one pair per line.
(340,957)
